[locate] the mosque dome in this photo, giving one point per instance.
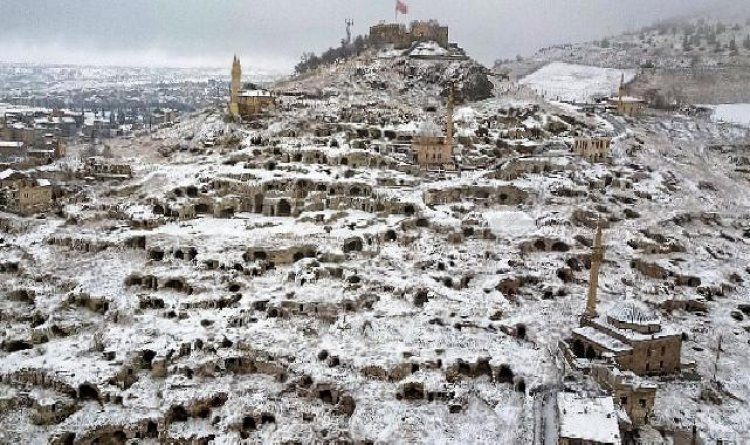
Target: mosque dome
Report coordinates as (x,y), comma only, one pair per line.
(429,128)
(633,312)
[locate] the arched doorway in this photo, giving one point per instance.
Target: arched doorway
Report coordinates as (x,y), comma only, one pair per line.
(578,349)
(284,208)
(258,203)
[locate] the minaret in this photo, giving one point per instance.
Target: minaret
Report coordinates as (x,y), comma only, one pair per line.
(234,92)
(621,90)
(597,255)
(449,129)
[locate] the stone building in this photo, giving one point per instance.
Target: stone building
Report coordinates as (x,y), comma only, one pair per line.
(425,31)
(587,420)
(621,348)
(629,333)
(251,103)
(402,37)
(624,104)
(593,149)
(11,151)
(24,195)
(634,394)
(100,168)
(429,148)
(247,104)
(633,336)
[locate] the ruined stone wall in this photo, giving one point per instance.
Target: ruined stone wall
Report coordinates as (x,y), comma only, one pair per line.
(507,195)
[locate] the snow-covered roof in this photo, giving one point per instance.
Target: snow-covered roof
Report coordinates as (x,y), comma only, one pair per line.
(428,128)
(602,339)
(633,312)
(428,49)
(5,174)
(588,418)
(627,99)
(255,93)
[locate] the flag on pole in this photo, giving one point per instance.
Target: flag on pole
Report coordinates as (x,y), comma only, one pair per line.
(402,7)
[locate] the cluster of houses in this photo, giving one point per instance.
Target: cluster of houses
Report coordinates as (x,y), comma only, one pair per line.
(24,195)
(33,136)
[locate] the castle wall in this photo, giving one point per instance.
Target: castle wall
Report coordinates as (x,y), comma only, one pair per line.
(401,38)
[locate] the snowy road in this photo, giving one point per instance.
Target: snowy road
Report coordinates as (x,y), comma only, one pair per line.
(545,417)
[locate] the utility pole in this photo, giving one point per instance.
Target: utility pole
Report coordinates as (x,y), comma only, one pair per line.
(349,24)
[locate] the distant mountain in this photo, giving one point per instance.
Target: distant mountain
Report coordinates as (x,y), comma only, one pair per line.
(678,61)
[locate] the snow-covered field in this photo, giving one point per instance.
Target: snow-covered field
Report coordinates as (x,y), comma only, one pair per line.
(510,223)
(564,81)
(732,113)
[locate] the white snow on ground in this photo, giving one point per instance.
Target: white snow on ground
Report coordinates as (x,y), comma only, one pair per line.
(428,49)
(732,113)
(507,223)
(564,81)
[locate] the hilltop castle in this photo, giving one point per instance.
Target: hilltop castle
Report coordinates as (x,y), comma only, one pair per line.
(402,37)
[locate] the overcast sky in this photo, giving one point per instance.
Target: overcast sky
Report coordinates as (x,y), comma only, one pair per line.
(271,34)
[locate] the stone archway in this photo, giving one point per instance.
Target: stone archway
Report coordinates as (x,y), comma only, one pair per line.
(258,203)
(504,374)
(578,349)
(202,208)
(590,353)
(284,208)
